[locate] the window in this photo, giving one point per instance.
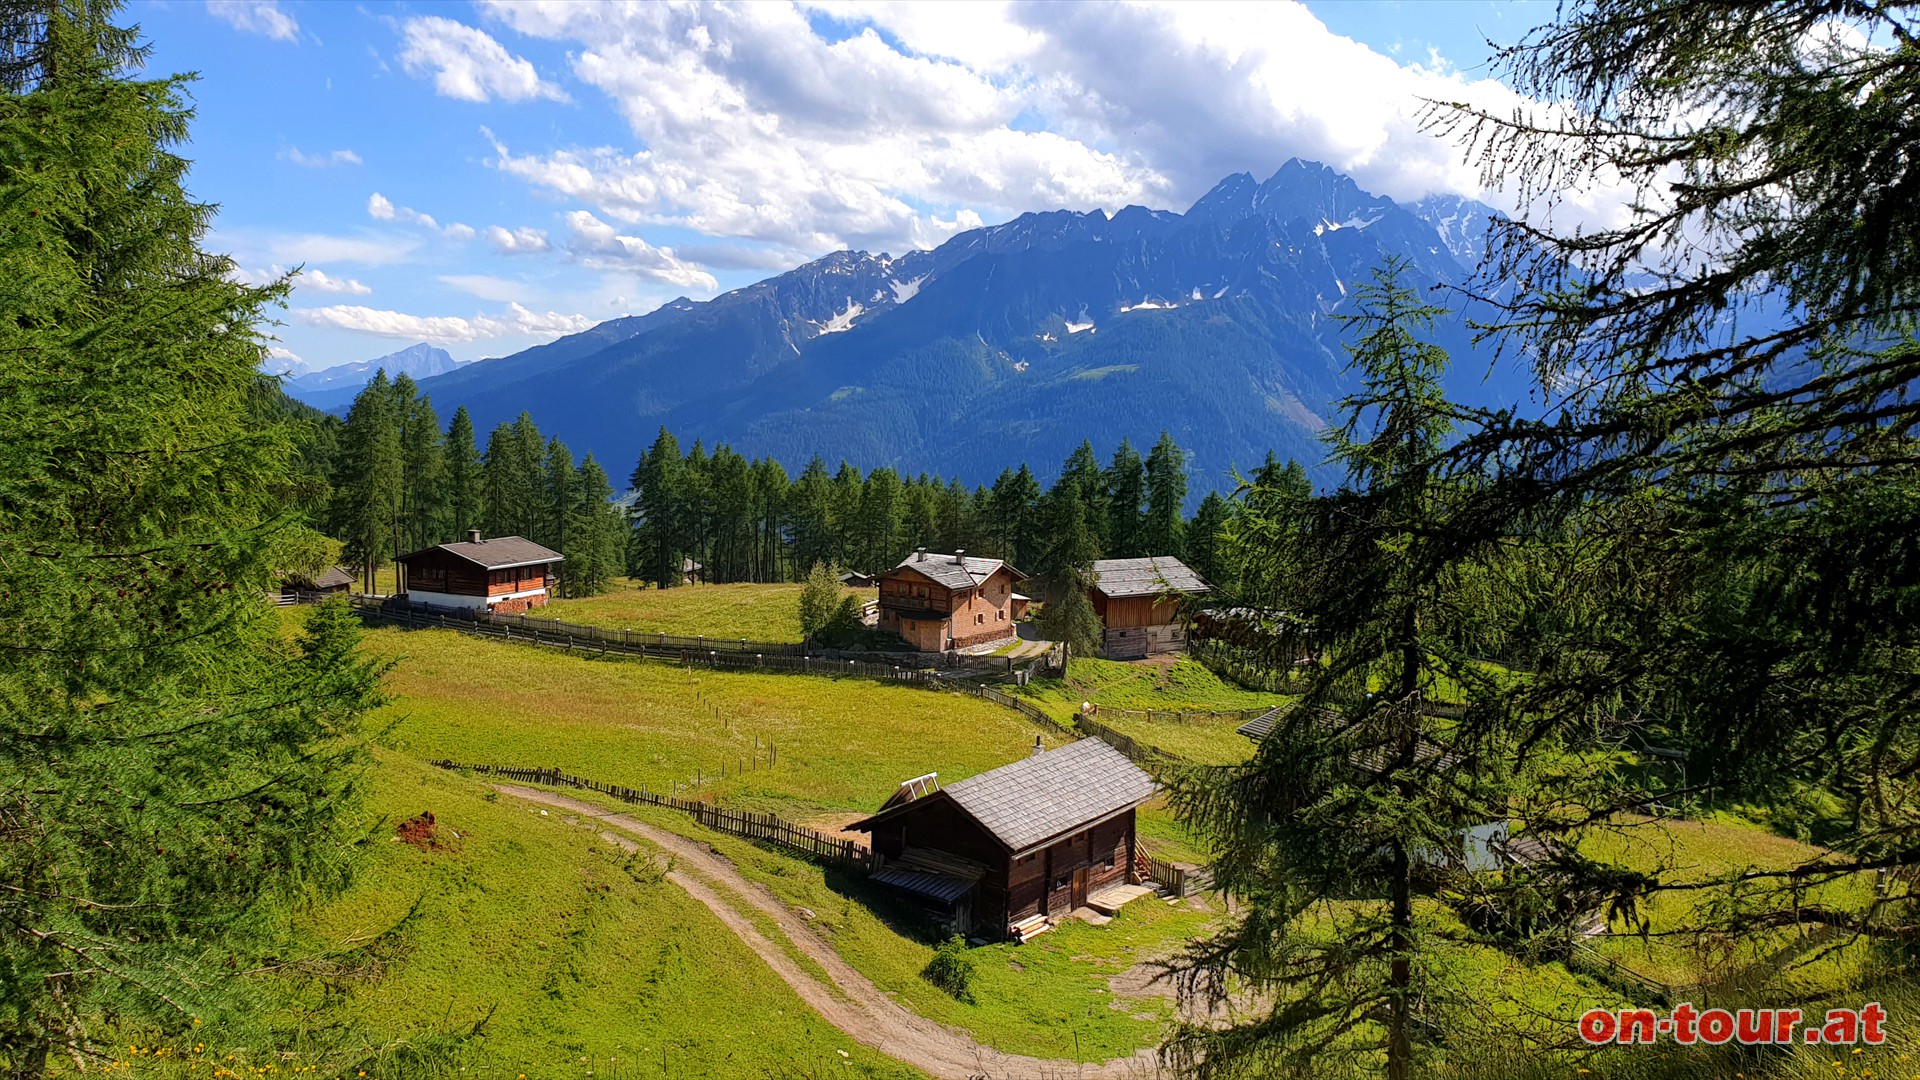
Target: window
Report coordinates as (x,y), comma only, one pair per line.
(1061,881)
(978,619)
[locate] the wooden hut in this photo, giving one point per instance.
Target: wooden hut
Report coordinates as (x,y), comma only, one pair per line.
(507,574)
(1007,852)
(1138,601)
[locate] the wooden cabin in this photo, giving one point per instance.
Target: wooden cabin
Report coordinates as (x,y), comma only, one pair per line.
(1138,601)
(507,574)
(303,589)
(1008,852)
(940,602)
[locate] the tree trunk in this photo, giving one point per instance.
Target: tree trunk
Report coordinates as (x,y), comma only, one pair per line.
(1400,977)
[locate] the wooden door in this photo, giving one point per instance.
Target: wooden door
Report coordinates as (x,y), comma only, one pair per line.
(1080,888)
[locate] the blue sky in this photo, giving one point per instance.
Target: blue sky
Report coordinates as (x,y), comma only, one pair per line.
(489,176)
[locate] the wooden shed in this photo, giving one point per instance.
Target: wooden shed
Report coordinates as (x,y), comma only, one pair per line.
(507,574)
(1138,601)
(300,587)
(1007,852)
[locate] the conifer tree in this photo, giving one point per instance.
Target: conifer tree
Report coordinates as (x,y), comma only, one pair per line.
(1203,553)
(370,481)
(465,485)
(171,771)
(1126,487)
(559,498)
(1166,498)
(658,515)
(422,468)
(1065,569)
(810,512)
(596,539)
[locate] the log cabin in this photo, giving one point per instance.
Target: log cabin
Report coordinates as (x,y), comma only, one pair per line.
(1138,601)
(1008,852)
(507,574)
(318,586)
(940,602)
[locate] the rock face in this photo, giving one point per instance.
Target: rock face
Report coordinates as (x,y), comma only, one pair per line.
(1012,343)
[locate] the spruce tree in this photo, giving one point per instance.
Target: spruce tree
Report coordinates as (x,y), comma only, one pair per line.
(1065,569)
(172,774)
(658,514)
(370,480)
(596,538)
(1126,487)
(1203,553)
(422,468)
(810,512)
(1166,498)
(465,486)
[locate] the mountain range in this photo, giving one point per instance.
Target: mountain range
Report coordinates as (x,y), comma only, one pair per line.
(1014,342)
(334,388)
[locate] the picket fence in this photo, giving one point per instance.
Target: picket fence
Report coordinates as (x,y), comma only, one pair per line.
(765,828)
(1167,716)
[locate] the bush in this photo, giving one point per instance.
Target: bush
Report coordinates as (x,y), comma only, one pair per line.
(951,969)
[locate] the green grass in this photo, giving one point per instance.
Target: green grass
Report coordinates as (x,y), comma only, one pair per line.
(1181,685)
(1048,998)
(1685,851)
(524,948)
(843,744)
(754,612)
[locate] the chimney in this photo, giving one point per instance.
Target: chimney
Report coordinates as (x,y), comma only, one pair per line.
(960,556)
(473,536)
(919,554)
(1037,748)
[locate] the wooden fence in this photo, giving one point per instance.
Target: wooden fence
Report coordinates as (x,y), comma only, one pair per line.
(1165,716)
(765,828)
(667,646)
(1145,755)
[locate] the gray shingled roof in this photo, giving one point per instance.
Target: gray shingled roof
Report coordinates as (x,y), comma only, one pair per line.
(1040,797)
(1375,759)
(934,886)
(498,553)
(943,569)
(1145,577)
(334,578)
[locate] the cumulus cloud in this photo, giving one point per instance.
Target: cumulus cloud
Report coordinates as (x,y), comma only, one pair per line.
(599,246)
(381,208)
(281,361)
(926,117)
(468,64)
(516,321)
(525,240)
(256,17)
(321,281)
(319,161)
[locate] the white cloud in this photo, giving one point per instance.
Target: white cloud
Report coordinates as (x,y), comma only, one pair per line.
(516,321)
(256,17)
(319,161)
(321,281)
(281,361)
(755,127)
(600,246)
(524,240)
(278,249)
(381,208)
(468,64)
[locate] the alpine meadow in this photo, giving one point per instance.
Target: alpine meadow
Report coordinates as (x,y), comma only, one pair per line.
(734,540)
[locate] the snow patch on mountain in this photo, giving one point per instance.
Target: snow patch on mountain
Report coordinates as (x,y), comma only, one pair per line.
(844,320)
(1076,327)
(904,291)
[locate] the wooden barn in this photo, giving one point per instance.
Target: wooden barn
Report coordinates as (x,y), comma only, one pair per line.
(507,574)
(1138,601)
(1009,852)
(941,602)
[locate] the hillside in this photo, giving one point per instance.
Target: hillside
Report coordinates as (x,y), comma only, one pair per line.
(1014,342)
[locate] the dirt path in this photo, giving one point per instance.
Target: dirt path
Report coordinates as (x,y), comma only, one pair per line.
(853,1003)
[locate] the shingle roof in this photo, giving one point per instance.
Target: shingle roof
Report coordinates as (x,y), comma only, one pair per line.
(1373,759)
(1146,577)
(943,569)
(1040,797)
(498,553)
(934,886)
(334,578)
